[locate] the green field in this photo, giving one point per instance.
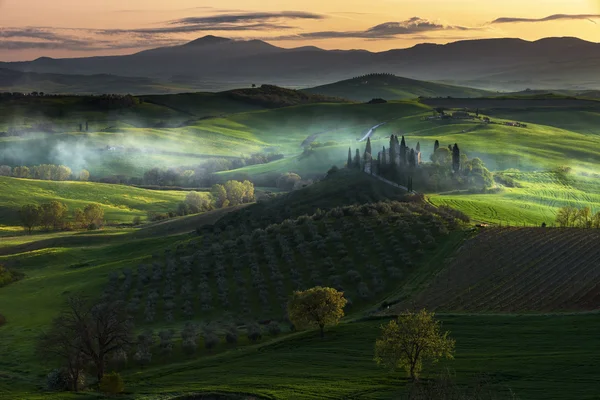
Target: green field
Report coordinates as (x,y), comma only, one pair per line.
(121,203)
(537,201)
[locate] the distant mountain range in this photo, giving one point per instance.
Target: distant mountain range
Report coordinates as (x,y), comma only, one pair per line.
(213,63)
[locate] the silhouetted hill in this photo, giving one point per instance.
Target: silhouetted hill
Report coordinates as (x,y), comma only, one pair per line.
(499,64)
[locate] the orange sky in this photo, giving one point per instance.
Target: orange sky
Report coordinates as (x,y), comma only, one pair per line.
(34,28)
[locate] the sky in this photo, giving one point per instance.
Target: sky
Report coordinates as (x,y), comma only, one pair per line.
(79,28)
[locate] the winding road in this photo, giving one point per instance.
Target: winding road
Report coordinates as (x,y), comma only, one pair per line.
(368,134)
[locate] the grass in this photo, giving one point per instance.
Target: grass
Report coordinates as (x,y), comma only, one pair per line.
(121,203)
(537,201)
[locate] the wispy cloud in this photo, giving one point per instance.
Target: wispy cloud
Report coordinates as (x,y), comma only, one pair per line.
(387,30)
(555,17)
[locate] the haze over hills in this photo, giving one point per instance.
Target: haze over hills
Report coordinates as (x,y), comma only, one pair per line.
(214,63)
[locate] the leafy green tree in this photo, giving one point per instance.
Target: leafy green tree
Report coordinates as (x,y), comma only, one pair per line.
(5,170)
(249,196)
(219,195)
(196,202)
(53,215)
(318,306)
(410,340)
(287,181)
(30,216)
(235,192)
(84,175)
(94,215)
(21,172)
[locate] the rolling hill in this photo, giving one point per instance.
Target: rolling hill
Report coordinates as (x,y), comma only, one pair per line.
(497,64)
(391,87)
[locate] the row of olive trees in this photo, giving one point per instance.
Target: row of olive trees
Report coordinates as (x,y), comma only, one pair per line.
(55,216)
(48,172)
(577,217)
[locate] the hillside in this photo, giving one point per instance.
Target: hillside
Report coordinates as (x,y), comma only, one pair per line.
(494,64)
(17,81)
(391,87)
(518,270)
(121,203)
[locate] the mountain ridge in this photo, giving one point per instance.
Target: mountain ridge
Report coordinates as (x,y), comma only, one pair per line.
(509,64)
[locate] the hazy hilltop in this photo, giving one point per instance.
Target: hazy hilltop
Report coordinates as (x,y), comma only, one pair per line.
(391,87)
(213,63)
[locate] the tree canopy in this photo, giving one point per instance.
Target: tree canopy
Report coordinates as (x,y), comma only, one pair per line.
(410,340)
(318,306)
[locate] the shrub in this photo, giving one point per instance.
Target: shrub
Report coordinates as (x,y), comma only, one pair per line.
(60,380)
(274,328)
(112,383)
(253,332)
(211,340)
(137,220)
(231,336)
(57,380)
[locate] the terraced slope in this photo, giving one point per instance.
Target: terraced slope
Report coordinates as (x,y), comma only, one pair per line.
(509,270)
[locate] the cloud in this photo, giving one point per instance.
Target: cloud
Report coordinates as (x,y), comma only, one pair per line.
(53,39)
(246,17)
(387,30)
(555,17)
(148,32)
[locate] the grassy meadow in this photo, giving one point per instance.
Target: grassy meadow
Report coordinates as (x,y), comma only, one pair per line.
(121,203)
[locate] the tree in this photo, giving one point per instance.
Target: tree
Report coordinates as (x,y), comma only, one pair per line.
(196,202)
(248,192)
(368,153)
(412,158)
(441,156)
(349,162)
(318,306)
(410,340)
(30,216)
(403,152)
(62,173)
(219,195)
(84,175)
(21,172)
(436,146)
(384,156)
(5,170)
(566,216)
(393,149)
(455,158)
(357,159)
(94,215)
(287,181)
(53,215)
(63,342)
(96,331)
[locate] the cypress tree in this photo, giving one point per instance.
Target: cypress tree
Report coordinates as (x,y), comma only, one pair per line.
(412,158)
(357,159)
(418,149)
(384,156)
(349,162)
(367,149)
(403,152)
(456,158)
(393,150)
(436,146)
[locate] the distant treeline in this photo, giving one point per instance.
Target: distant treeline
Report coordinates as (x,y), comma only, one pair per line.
(55,216)
(572,217)
(47,172)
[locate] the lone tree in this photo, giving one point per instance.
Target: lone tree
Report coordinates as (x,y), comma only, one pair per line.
(318,306)
(436,145)
(411,340)
(94,333)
